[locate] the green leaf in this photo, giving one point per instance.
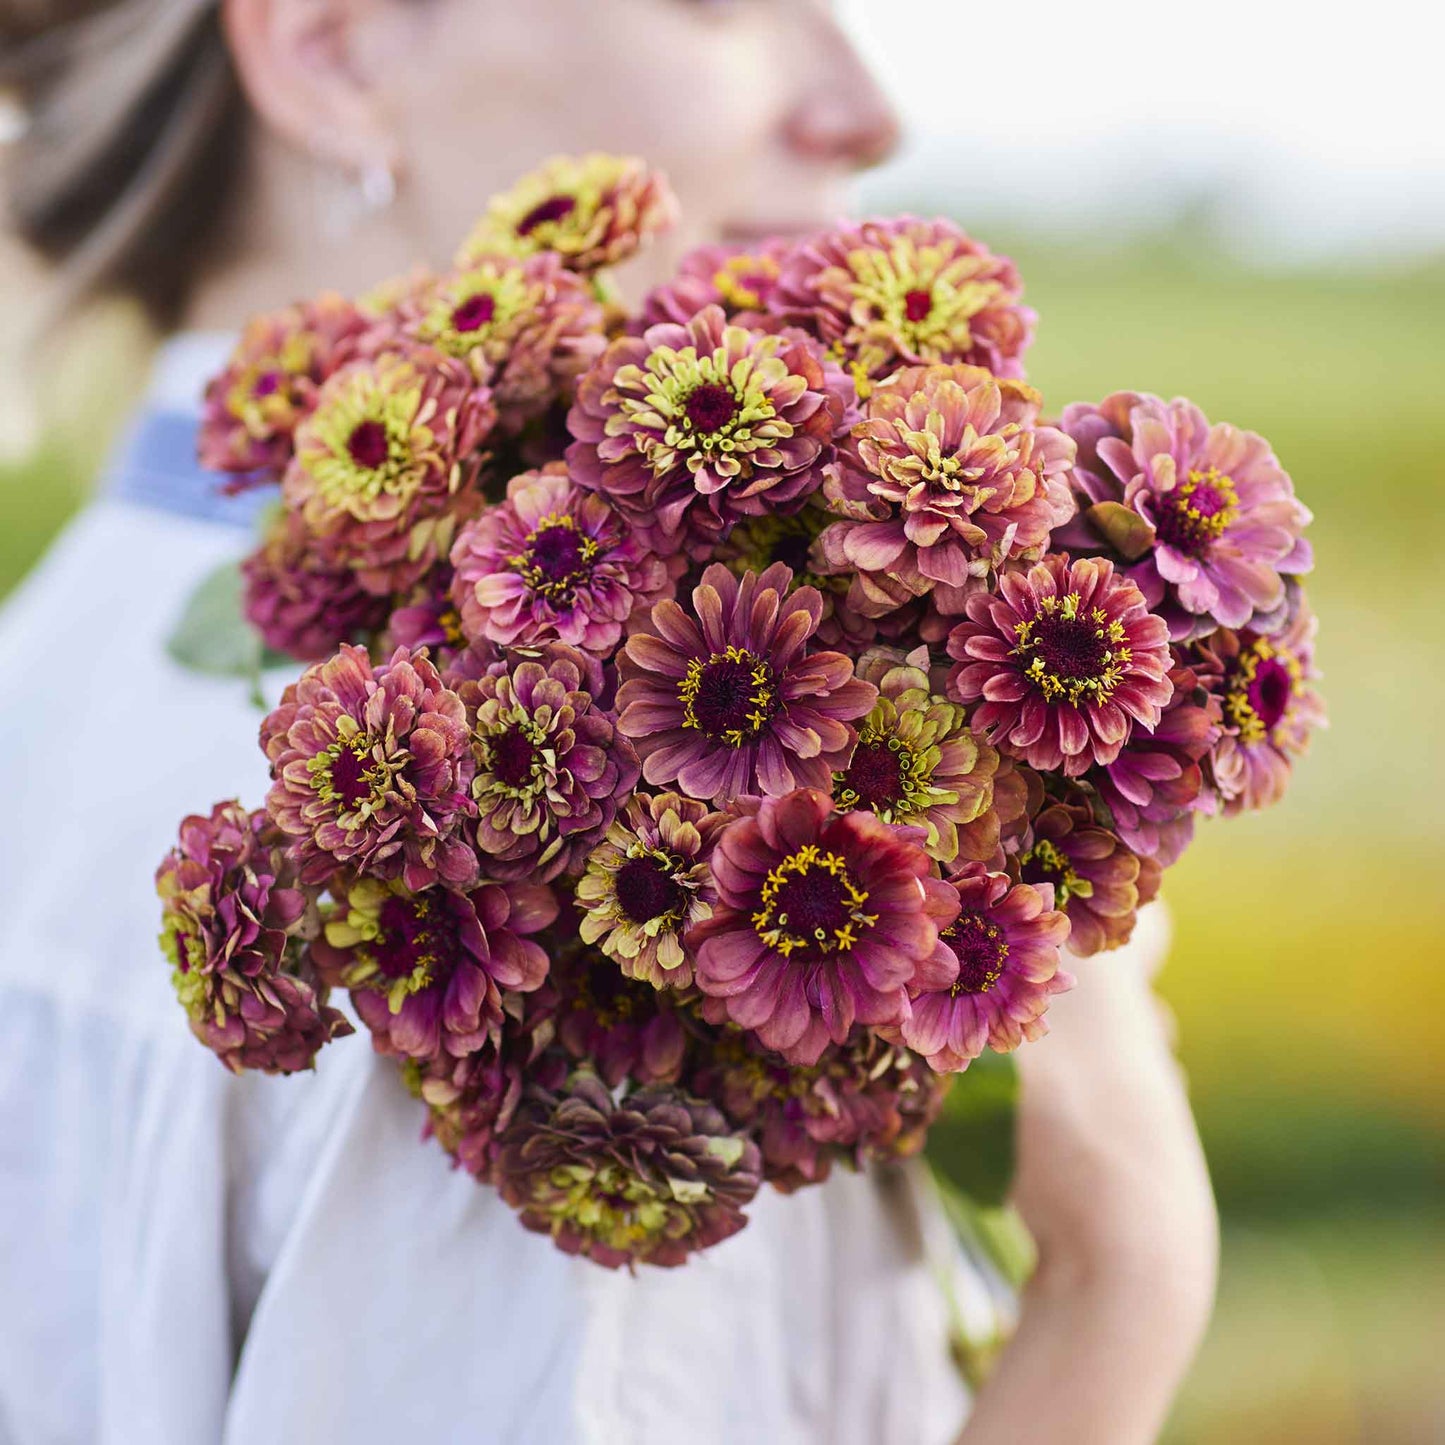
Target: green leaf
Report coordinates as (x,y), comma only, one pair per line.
(1122,528)
(212,635)
(971,1145)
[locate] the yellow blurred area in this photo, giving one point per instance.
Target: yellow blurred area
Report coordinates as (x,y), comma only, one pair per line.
(1308,972)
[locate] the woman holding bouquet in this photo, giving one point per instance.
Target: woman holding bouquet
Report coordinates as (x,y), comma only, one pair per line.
(185,1256)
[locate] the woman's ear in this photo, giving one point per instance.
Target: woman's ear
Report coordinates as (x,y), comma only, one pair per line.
(297,64)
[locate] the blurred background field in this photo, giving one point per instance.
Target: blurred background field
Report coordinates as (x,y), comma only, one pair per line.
(1308,972)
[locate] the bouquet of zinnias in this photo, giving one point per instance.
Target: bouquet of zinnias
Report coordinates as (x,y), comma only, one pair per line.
(720,717)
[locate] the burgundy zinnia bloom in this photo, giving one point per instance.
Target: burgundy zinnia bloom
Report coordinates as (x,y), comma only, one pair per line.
(269,385)
(551,767)
(823,920)
(730,701)
(371,768)
(301,603)
(1206,513)
(697,426)
(948,476)
(426,970)
(1098,881)
(1270,711)
(553,563)
(1151,789)
(650,1177)
(884,294)
(1002,967)
(861,1101)
(1063,661)
(232,924)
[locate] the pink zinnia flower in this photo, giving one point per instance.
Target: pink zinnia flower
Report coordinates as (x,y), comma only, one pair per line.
(1206,514)
(696,426)
(299,600)
(1098,881)
(593,211)
(233,925)
(884,294)
(730,700)
(384,460)
(1063,661)
(553,563)
(427,970)
(948,476)
(823,920)
(1001,967)
(270,384)
(740,280)
(371,770)
(1269,708)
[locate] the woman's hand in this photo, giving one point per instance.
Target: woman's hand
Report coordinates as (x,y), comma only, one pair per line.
(1112,1184)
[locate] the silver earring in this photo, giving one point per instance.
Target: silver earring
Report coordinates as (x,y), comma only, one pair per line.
(349,196)
(377,187)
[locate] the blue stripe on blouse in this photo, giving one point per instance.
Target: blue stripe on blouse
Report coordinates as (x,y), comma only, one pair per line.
(155,466)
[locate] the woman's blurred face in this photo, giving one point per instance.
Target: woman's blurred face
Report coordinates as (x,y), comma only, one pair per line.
(757,110)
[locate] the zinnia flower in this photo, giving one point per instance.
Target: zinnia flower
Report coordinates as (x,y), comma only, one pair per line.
(1152,788)
(650,1178)
(948,476)
(270,384)
(916,761)
(865,1100)
(1066,659)
(730,700)
(371,768)
(701,424)
(593,211)
(823,920)
(426,970)
(382,459)
(425,616)
(1205,513)
(648,882)
(882,294)
(1003,956)
(299,600)
(551,768)
(1098,881)
(526,327)
(621,1028)
(232,924)
(553,563)
(739,280)
(1269,708)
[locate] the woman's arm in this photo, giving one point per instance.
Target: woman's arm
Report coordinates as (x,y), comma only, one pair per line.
(1112,1183)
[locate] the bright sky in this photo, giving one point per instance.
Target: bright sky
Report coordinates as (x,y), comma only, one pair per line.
(1311,128)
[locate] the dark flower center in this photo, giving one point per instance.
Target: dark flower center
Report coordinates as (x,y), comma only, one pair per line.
(368,444)
(917,304)
(558,558)
(348,776)
(603,992)
(475,312)
(1270,692)
(711,407)
(267,384)
(1195,514)
(554,208)
(514,757)
(729,697)
(981,948)
(875,775)
(409,943)
(1046,862)
(810,902)
(1072,655)
(646,890)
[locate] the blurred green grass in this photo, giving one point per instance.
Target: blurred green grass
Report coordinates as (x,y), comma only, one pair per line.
(1307,972)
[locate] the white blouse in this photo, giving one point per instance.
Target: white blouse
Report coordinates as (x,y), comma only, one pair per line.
(187,1256)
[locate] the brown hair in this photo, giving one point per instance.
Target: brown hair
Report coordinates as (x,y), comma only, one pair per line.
(133,123)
